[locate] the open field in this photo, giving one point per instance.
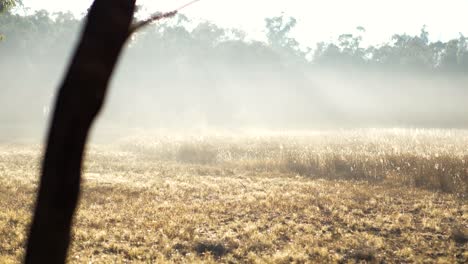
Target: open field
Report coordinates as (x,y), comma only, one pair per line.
(375,196)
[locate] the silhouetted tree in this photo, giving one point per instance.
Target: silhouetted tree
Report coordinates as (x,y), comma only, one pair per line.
(80,99)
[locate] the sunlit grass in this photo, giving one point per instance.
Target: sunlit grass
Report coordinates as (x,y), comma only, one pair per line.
(321,197)
(435,159)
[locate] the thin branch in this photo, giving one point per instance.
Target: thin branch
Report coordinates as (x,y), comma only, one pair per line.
(139,25)
(158,16)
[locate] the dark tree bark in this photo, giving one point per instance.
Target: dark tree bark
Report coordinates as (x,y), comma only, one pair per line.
(79,101)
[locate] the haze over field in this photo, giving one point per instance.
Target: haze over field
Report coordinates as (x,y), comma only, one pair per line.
(191,75)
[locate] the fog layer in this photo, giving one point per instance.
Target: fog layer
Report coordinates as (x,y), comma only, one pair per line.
(181,75)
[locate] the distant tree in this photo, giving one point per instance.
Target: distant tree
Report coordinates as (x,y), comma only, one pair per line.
(207,34)
(351,49)
(454,55)
(449,58)
(327,54)
(346,52)
(463,53)
(412,51)
(278,29)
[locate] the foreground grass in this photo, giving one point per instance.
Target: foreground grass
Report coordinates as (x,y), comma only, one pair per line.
(184,202)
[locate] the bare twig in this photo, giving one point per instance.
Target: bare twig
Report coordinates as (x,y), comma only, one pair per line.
(188,4)
(158,16)
(138,25)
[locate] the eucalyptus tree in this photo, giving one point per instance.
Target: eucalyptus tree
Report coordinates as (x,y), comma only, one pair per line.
(79,101)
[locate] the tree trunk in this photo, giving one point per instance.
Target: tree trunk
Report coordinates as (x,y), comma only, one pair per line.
(79,101)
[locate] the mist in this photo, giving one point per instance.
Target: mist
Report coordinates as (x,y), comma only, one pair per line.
(182,75)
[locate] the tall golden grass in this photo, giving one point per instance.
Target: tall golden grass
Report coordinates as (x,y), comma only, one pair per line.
(432,159)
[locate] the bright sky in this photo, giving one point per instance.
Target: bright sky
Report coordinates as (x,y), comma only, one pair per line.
(318,20)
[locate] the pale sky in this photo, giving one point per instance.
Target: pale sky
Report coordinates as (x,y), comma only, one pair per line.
(317,20)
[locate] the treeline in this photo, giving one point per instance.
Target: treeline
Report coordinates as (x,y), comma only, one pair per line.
(43,34)
(179,71)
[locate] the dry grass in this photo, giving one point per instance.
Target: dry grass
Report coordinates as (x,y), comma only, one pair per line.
(433,159)
(335,197)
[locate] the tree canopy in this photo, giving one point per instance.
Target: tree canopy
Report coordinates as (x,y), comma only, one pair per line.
(402,52)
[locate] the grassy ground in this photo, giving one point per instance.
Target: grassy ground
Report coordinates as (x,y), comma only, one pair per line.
(338,197)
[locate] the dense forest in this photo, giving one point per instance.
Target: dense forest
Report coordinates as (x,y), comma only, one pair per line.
(180,73)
